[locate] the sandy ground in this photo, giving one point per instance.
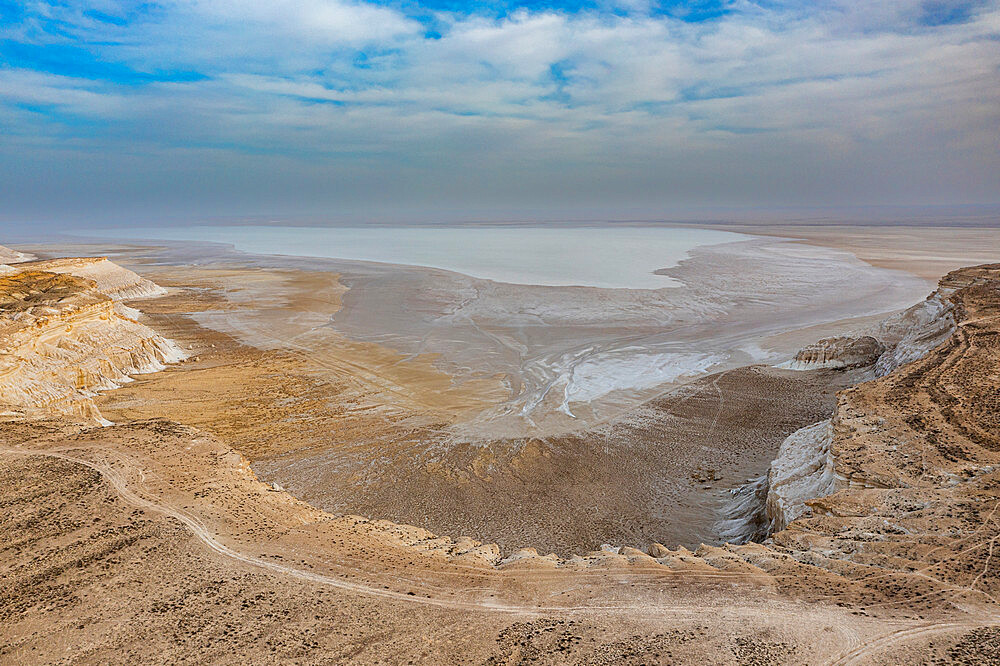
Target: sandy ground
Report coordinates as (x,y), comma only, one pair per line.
(379,427)
(124,580)
(323,421)
(926,251)
(153,541)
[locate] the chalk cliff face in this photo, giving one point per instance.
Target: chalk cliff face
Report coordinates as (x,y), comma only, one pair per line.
(838,352)
(916,455)
(897,340)
(9,256)
(895,499)
(807,466)
(917,330)
(802,470)
(62,339)
(112,280)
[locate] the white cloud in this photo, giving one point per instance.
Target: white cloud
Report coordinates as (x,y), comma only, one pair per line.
(322,22)
(73,96)
(627,106)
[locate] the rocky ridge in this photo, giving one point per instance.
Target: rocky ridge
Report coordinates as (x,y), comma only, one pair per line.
(63,338)
(904,480)
(838,352)
(803,468)
(895,341)
(9,256)
(116,282)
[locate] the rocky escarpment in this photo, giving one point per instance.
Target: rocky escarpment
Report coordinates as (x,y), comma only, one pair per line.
(112,280)
(804,468)
(897,340)
(838,352)
(62,339)
(912,333)
(904,478)
(916,455)
(9,256)
(895,500)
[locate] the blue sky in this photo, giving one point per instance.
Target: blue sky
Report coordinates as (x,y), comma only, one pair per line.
(186,109)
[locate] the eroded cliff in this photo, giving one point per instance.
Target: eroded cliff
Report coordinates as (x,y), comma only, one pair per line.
(9,256)
(897,340)
(112,280)
(909,484)
(900,546)
(62,339)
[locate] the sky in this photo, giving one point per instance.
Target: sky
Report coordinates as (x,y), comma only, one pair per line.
(183,110)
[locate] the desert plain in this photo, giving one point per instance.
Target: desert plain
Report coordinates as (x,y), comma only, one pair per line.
(214,457)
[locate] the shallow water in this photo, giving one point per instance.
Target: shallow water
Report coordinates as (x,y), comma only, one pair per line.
(610,256)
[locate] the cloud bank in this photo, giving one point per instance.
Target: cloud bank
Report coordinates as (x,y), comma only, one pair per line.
(117,110)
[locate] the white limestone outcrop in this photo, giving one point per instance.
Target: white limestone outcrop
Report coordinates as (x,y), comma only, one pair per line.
(112,280)
(9,256)
(896,341)
(803,470)
(915,331)
(837,352)
(62,341)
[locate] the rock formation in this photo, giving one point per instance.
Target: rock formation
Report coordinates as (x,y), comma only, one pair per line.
(802,470)
(62,339)
(112,280)
(916,455)
(9,256)
(916,330)
(897,340)
(809,465)
(838,352)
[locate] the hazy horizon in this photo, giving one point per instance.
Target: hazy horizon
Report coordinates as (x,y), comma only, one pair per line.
(982,216)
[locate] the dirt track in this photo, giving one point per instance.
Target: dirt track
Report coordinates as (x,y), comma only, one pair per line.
(154,542)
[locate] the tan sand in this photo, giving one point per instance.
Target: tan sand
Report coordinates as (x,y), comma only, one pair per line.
(152,541)
(926,251)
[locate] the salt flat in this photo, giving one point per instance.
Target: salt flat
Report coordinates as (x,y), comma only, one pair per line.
(610,257)
(230,474)
(579,322)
